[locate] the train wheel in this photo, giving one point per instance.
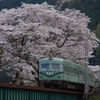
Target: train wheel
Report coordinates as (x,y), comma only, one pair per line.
(48,85)
(76,87)
(61,86)
(64,85)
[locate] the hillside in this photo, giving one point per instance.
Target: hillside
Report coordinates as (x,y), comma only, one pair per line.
(90,7)
(17,3)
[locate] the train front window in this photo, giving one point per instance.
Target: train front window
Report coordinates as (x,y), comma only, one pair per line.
(55,67)
(45,66)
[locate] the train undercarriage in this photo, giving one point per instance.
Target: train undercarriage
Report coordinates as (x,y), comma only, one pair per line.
(63,85)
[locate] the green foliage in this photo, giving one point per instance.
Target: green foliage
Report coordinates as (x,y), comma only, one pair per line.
(9,4)
(96,97)
(97,31)
(98,27)
(97,52)
(66,4)
(17,3)
(90,7)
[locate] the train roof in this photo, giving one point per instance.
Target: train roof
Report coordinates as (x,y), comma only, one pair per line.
(59,60)
(55,59)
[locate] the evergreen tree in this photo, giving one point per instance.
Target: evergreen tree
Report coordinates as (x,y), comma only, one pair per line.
(90,7)
(96,51)
(8,4)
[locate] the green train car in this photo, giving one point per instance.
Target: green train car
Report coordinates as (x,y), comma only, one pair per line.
(64,74)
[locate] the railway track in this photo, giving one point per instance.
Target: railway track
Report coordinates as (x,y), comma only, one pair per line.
(39,89)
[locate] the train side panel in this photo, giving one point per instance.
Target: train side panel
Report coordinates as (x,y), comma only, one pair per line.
(90,78)
(70,72)
(81,74)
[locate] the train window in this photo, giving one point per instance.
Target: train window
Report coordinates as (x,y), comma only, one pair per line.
(45,66)
(83,73)
(80,72)
(75,71)
(55,67)
(65,69)
(70,69)
(90,76)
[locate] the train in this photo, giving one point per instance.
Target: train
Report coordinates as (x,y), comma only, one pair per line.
(64,74)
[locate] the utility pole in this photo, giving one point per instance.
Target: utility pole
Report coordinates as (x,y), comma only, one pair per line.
(1,51)
(99,77)
(86,87)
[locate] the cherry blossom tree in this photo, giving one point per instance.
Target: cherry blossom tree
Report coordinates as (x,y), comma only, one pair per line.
(32,32)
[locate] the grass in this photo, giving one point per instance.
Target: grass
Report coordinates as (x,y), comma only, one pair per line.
(96,97)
